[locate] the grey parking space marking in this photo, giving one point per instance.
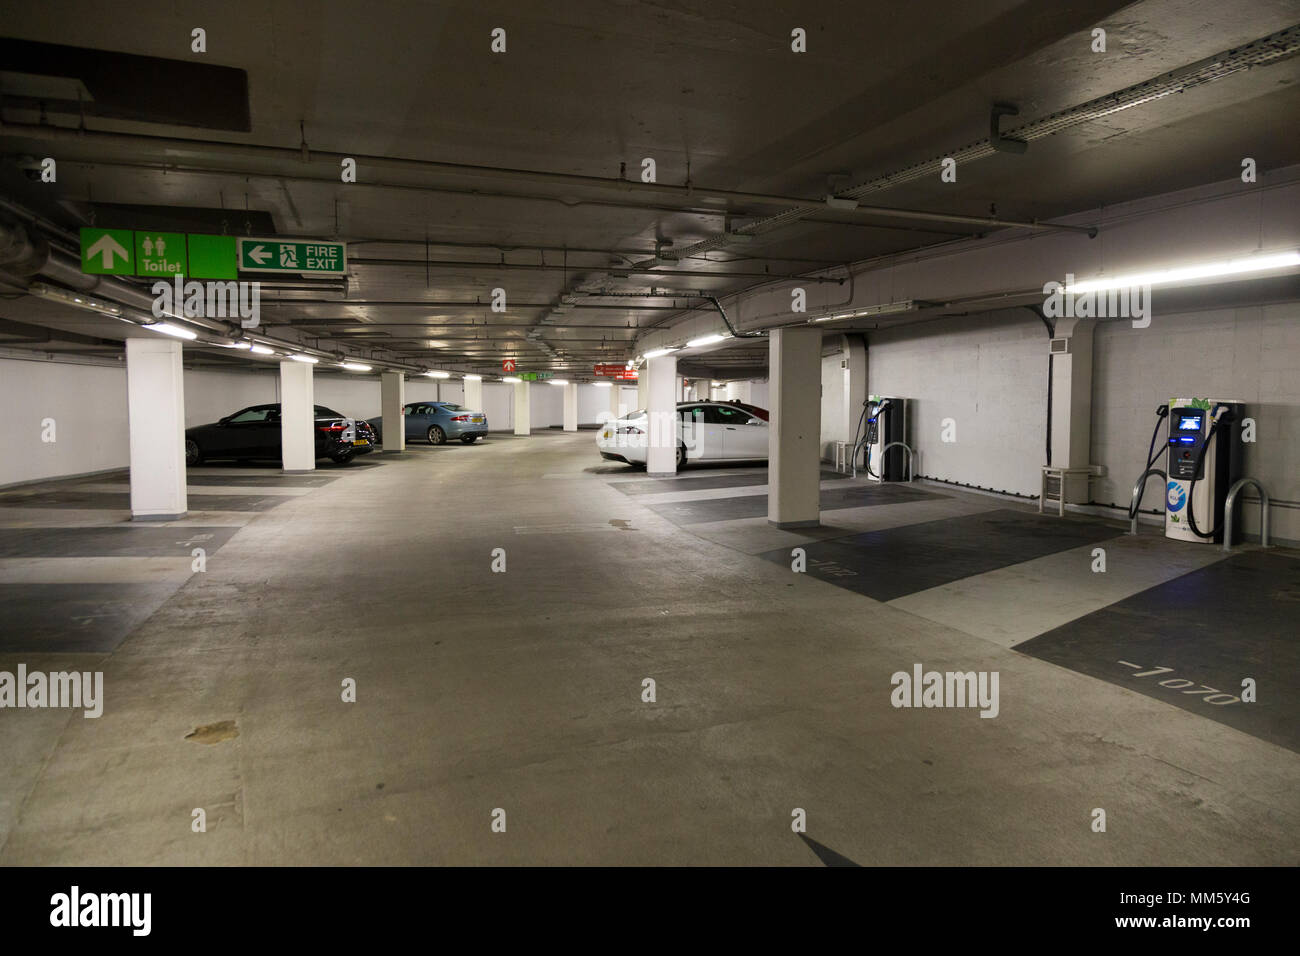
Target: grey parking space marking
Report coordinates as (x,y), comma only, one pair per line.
(1189,642)
(889,564)
(72,618)
(268,481)
(127,540)
(653,486)
(700,511)
(108,500)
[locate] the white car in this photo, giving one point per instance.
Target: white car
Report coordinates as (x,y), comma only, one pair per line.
(706,431)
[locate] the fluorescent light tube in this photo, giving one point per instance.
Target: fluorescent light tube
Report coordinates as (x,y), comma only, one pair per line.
(705,340)
(304,358)
(1206,270)
(168,329)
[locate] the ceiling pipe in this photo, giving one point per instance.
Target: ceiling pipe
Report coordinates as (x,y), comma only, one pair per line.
(214,149)
(548,267)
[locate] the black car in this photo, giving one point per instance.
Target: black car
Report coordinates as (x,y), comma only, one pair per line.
(254,432)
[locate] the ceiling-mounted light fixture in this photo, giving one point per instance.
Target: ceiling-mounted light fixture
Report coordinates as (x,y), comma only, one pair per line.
(603,384)
(656,353)
(1205,270)
(438,374)
(558,381)
(354,366)
(166,328)
(885,308)
(706,340)
(305,358)
(261,350)
(78,299)
(512,380)
(473,378)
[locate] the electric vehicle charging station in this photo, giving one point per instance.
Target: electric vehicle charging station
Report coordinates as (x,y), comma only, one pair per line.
(886,424)
(1204,461)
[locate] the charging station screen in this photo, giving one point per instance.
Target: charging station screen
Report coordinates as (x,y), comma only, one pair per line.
(1189,423)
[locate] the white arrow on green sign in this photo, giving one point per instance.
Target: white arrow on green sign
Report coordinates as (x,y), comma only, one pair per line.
(107,252)
(301,257)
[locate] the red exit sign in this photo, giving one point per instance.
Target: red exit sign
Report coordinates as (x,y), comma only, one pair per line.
(615,371)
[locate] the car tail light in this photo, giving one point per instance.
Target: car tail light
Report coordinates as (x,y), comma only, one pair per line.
(460,418)
(629,430)
(333,427)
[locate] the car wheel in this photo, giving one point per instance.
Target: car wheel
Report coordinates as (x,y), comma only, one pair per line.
(468,439)
(193,454)
(342,457)
(437,436)
(681,455)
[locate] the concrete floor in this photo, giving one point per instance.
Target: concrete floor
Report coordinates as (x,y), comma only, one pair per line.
(522,691)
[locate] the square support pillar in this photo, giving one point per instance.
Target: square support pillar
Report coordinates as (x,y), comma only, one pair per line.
(523,410)
(155,401)
(1072,405)
(615,401)
(297,417)
(660,377)
(474,395)
(392,405)
(643,388)
(794,439)
(571,407)
(854,384)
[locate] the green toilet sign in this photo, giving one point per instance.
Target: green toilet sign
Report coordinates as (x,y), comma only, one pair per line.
(160,253)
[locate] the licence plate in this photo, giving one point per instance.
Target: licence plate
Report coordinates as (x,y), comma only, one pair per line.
(361,441)
(477,421)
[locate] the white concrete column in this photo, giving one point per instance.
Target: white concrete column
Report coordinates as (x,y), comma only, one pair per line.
(523,411)
(643,387)
(474,395)
(1072,403)
(854,383)
(392,405)
(794,438)
(155,403)
(615,401)
(297,417)
(571,407)
(660,376)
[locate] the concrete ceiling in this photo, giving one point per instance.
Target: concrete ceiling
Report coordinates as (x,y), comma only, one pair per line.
(586,88)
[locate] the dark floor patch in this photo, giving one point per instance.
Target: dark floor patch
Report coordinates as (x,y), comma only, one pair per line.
(261,481)
(656,486)
(826,854)
(75,618)
(135,540)
(1211,628)
(889,564)
(215,733)
(753,506)
(121,501)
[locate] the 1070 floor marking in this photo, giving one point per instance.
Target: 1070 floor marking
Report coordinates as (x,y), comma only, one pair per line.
(1178,683)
